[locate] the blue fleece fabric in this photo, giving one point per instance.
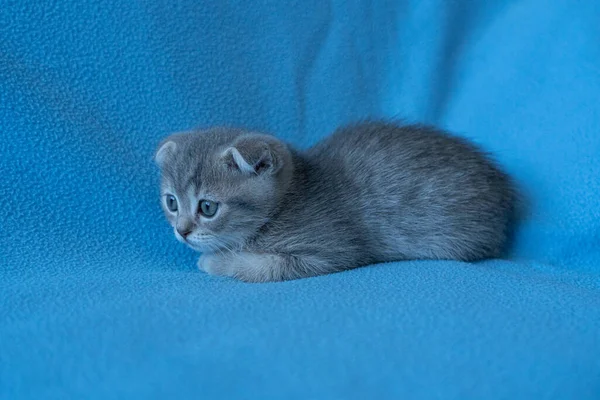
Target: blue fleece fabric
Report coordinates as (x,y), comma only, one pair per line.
(99,301)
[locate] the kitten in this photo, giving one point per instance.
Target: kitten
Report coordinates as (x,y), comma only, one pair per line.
(373,192)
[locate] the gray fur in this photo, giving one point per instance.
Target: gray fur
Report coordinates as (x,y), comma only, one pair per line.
(372,192)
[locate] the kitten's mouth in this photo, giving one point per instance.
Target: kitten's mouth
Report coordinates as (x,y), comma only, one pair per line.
(209,246)
(186,241)
(202,242)
(194,245)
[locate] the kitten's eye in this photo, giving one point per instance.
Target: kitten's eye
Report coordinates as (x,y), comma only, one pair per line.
(171,203)
(208,208)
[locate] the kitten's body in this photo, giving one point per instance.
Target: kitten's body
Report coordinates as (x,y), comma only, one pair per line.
(371,192)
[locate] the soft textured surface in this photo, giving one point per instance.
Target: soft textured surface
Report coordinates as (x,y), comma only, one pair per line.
(98,300)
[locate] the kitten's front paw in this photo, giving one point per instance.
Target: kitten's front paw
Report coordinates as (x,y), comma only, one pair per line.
(214,265)
(248,267)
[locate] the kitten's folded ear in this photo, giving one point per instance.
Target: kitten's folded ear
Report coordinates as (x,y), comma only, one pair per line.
(256,155)
(167,148)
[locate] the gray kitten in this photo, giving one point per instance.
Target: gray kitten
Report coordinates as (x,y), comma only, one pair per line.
(373,192)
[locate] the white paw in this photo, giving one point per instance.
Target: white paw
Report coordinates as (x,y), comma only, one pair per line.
(244,266)
(212,264)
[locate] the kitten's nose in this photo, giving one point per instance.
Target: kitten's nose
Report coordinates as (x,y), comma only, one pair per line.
(184,229)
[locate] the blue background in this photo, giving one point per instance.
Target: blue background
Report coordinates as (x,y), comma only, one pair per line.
(98,300)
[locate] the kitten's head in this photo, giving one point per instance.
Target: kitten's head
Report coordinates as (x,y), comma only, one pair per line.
(219,186)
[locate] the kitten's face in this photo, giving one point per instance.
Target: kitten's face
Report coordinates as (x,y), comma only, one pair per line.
(216,191)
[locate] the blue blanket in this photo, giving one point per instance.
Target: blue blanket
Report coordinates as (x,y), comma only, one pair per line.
(98,300)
